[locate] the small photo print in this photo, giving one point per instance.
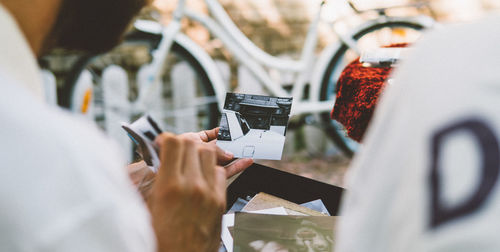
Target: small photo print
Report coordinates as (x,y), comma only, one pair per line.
(273,233)
(254,126)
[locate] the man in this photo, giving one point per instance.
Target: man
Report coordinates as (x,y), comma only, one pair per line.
(427,176)
(62,183)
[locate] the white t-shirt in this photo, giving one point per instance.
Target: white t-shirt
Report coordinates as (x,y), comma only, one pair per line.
(427,177)
(63,184)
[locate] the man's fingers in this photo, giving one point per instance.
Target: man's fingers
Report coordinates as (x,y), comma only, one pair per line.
(208,163)
(192,165)
(220,185)
(223,157)
(208,135)
(137,171)
(171,157)
(238,166)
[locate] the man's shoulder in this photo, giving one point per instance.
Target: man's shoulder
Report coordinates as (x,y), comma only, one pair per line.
(50,129)
(62,179)
(56,170)
(40,140)
(25,117)
(461,42)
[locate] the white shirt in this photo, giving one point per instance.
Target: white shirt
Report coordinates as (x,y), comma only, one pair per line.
(444,105)
(63,184)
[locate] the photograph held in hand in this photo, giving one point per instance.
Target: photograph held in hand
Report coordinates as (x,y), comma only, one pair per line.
(254,126)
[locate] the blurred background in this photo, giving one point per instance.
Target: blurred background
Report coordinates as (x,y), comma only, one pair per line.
(278,27)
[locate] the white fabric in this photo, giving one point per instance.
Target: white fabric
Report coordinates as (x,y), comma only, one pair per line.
(452,75)
(17,58)
(63,185)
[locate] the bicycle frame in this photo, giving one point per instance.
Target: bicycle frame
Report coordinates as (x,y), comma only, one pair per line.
(253,58)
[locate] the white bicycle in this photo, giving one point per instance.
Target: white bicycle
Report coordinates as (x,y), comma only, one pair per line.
(196,102)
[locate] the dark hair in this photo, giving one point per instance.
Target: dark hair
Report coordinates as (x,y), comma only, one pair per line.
(92,26)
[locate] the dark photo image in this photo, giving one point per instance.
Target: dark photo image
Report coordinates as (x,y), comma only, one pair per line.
(273,233)
(254,126)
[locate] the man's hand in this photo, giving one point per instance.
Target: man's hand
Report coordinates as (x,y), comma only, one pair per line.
(188,197)
(225,159)
(144,178)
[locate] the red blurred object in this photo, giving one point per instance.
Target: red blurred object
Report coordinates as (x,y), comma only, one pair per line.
(358,90)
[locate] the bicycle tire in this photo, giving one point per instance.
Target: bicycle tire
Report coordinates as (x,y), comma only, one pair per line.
(328,86)
(67,92)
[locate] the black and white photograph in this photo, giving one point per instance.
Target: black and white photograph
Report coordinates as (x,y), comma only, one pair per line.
(273,233)
(254,126)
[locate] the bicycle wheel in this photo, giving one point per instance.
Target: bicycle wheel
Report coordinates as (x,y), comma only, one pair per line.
(377,35)
(179,107)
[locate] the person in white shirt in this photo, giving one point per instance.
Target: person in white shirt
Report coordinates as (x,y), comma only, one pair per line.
(427,176)
(63,184)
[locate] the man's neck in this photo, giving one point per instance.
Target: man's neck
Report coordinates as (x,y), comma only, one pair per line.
(35,19)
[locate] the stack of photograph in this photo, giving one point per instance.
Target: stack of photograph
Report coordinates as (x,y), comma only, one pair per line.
(270,224)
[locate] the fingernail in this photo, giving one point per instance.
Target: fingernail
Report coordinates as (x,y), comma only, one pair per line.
(229,154)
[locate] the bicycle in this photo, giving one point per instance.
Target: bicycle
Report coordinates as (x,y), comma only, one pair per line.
(157,95)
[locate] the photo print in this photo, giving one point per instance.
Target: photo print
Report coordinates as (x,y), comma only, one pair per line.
(276,233)
(254,126)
